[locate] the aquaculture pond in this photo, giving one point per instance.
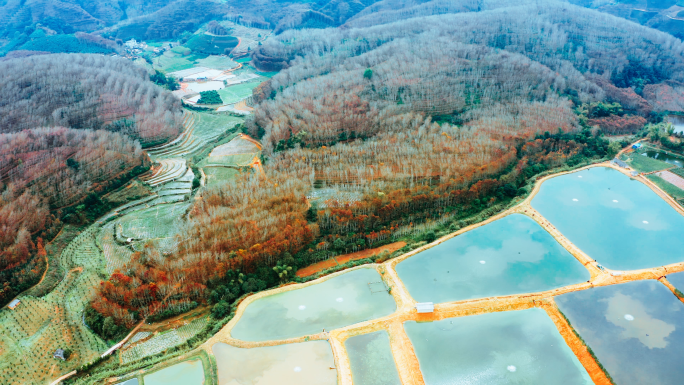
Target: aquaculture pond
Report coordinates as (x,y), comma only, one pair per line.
(635,329)
(667,158)
(515,347)
(678,122)
(291,364)
(508,256)
(371,359)
(185,373)
(132,381)
(618,221)
(346,299)
(677,279)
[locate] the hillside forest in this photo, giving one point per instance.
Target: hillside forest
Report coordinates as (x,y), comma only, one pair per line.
(410,116)
(72,127)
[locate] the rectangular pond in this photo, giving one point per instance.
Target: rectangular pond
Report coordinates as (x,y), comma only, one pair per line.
(185,373)
(346,299)
(509,256)
(132,381)
(677,121)
(677,279)
(515,347)
(371,359)
(665,157)
(618,221)
(635,329)
(292,364)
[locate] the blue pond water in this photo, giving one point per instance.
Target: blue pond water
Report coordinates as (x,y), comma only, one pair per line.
(513,347)
(509,256)
(677,279)
(619,222)
(340,301)
(635,329)
(371,359)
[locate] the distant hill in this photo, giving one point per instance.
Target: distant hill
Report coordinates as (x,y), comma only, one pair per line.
(663,15)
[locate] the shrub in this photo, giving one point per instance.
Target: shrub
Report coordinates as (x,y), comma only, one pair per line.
(210,97)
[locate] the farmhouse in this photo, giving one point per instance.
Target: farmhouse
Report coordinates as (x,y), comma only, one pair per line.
(12,305)
(619,163)
(425,307)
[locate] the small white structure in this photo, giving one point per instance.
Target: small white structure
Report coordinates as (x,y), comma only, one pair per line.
(12,305)
(425,307)
(59,353)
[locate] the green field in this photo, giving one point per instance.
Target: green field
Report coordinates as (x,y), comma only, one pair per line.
(172,63)
(208,126)
(672,190)
(214,45)
(678,170)
(218,175)
(217,62)
(642,163)
(238,92)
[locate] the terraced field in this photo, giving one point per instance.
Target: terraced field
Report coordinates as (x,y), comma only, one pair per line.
(30,333)
(200,130)
(160,342)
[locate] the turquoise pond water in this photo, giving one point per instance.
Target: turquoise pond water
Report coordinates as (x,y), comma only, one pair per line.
(619,222)
(349,298)
(185,373)
(635,329)
(132,381)
(371,359)
(514,347)
(292,364)
(508,256)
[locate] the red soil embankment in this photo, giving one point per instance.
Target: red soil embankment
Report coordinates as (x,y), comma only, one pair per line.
(342,259)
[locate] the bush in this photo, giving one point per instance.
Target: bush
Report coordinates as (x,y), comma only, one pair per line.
(210,97)
(430,237)
(220,310)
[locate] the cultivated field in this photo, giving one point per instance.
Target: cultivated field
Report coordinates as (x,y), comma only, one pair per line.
(160,342)
(642,163)
(31,333)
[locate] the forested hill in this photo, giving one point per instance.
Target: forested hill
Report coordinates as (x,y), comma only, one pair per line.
(86,91)
(72,127)
(167,19)
(409,113)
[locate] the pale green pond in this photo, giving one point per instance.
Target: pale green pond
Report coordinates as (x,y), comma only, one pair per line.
(185,373)
(619,222)
(346,299)
(307,363)
(509,256)
(371,359)
(514,347)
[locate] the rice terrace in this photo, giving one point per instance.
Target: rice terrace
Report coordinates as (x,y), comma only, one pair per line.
(335,192)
